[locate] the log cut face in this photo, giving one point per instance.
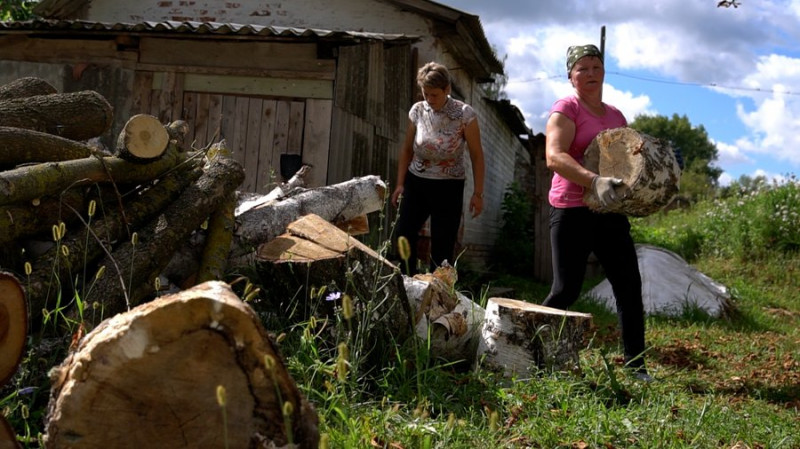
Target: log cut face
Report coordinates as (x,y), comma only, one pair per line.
(13,325)
(646,165)
(151,378)
(314,255)
(520,338)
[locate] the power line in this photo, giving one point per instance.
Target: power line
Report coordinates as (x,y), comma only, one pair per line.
(663,81)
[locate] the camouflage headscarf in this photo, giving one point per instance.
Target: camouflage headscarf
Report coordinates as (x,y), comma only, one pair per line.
(578,51)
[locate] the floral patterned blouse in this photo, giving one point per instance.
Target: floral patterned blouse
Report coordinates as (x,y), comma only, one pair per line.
(439,143)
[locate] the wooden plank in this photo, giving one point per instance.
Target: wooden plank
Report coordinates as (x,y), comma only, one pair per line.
(24,48)
(301,56)
(316,140)
(280,142)
(201,120)
(142,90)
(269,154)
(238,142)
(294,143)
(252,141)
(190,114)
(284,73)
(247,85)
(214,118)
(176,108)
(228,126)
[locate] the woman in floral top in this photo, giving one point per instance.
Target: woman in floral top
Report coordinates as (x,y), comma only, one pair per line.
(431,167)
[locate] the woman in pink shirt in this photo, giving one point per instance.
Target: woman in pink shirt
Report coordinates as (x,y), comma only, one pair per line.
(431,170)
(575,230)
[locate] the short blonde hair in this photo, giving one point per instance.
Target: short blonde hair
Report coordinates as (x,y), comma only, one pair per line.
(433,75)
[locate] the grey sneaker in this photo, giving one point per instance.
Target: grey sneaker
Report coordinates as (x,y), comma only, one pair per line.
(644,377)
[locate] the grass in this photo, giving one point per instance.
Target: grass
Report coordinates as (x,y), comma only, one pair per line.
(731,382)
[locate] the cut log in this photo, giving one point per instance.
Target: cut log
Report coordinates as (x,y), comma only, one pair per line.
(13,325)
(342,201)
(252,201)
(314,254)
(259,226)
(444,318)
(51,178)
(142,263)
(114,226)
(8,439)
(191,370)
(75,115)
(28,86)
(646,165)
(19,221)
(22,146)
(214,261)
(142,139)
(520,338)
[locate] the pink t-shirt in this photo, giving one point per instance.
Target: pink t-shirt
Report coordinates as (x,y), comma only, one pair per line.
(565,193)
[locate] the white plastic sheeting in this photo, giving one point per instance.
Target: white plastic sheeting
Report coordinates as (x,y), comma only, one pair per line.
(670,286)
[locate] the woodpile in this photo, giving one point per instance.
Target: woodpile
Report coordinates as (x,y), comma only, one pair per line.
(646,165)
(94,232)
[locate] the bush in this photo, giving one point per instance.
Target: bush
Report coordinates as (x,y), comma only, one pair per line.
(513,249)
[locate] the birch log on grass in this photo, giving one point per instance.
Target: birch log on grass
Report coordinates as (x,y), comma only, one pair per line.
(142,139)
(520,338)
(647,166)
(443,317)
(13,325)
(338,202)
(314,255)
(195,369)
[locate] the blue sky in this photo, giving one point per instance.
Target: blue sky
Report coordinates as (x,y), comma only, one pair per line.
(735,71)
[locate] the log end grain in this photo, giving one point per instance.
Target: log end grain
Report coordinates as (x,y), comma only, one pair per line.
(646,165)
(13,325)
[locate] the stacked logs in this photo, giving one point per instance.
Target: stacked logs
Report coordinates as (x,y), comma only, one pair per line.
(81,222)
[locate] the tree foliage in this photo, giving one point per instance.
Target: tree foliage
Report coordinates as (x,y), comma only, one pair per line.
(16,9)
(699,153)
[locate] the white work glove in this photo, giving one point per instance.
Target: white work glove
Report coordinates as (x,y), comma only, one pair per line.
(603,187)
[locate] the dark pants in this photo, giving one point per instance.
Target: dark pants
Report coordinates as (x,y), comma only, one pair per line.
(574,234)
(442,201)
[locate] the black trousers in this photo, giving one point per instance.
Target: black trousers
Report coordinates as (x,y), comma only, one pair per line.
(441,200)
(574,234)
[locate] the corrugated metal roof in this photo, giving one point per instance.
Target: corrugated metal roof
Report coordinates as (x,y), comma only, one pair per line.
(205,28)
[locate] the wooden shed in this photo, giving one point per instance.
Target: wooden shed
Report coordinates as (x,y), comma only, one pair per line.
(322,83)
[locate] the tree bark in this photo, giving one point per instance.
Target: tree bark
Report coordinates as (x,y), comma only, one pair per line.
(142,263)
(19,221)
(218,243)
(446,319)
(75,115)
(13,325)
(646,165)
(338,202)
(193,369)
(520,338)
(312,254)
(51,178)
(25,87)
(142,139)
(22,146)
(87,247)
